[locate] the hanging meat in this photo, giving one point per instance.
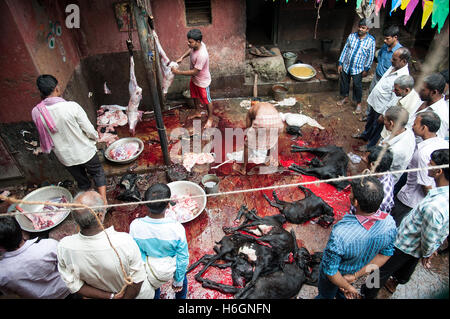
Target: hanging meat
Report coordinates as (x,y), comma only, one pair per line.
(134,115)
(166,66)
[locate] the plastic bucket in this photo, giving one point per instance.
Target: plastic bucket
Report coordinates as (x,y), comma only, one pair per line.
(289,58)
(211,183)
(279,92)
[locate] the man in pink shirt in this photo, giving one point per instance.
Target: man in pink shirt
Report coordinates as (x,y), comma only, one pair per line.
(199,72)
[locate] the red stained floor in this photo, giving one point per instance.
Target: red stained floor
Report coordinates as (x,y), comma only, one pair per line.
(203,232)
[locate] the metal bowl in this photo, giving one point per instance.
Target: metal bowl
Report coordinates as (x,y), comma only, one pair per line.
(41,195)
(302,78)
(121,142)
(181,188)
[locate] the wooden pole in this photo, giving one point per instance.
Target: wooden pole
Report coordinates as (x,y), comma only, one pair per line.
(149,64)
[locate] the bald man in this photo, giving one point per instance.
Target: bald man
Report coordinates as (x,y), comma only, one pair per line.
(264,125)
(83,256)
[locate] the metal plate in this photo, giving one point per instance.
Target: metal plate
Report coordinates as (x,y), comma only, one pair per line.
(188,188)
(41,195)
(121,142)
(302,78)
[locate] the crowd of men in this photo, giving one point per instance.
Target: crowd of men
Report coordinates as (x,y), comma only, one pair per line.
(398,218)
(395,220)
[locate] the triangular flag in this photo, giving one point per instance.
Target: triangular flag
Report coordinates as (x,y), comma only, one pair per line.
(427,9)
(395,5)
(410,9)
(440,13)
(404,4)
(378,4)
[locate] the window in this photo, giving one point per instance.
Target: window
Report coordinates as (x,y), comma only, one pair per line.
(198,12)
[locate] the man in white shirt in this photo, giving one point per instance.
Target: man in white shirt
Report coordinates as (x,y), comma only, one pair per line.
(419,183)
(406,97)
(90,266)
(432,94)
(401,141)
(381,95)
(73,138)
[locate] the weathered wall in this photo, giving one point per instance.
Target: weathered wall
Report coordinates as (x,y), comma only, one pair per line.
(18,73)
(224,38)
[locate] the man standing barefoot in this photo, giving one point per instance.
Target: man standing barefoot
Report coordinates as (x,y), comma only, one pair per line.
(199,72)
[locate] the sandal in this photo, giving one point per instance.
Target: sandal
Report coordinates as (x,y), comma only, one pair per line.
(255,51)
(391,285)
(265,52)
(358,110)
(342,102)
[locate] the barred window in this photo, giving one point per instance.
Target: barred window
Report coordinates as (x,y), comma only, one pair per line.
(198,12)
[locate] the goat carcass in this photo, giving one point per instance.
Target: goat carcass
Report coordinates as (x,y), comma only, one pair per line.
(166,66)
(303,210)
(261,254)
(331,163)
(134,115)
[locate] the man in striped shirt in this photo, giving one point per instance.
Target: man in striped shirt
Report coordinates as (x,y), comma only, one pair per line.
(355,62)
(356,241)
(162,242)
(421,232)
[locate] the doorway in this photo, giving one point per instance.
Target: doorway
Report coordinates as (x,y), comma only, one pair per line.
(262,22)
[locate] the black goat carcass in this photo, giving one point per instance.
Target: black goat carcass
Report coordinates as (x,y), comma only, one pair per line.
(301,211)
(261,253)
(331,162)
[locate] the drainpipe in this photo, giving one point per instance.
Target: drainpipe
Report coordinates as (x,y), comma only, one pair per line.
(149,64)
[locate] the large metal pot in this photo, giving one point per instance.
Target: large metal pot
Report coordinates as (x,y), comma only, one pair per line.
(302,78)
(43,194)
(121,142)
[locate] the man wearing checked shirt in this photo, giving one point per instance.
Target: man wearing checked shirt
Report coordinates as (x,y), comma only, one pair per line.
(420,233)
(355,62)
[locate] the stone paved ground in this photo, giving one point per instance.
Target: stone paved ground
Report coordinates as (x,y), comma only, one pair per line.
(424,283)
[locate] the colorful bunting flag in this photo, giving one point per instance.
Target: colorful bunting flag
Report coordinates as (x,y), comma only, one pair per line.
(358,4)
(410,9)
(440,13)
(404,4)
(395,5)
(427,9)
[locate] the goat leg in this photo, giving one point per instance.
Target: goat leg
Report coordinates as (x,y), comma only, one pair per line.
(305,190)
(272,203)
(227,289)
(203,260)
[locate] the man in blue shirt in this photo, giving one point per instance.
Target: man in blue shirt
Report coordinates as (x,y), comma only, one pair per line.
(357,241)
(162,242)
(384,57)
(355,62)
(420,233)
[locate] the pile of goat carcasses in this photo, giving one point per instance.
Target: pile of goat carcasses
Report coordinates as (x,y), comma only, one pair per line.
(265,260)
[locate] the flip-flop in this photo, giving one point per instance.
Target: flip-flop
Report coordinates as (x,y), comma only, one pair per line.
(341,103)
(388,286)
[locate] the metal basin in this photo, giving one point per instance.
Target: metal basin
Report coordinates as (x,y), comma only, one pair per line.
(121,142)
(302,78)
(181,188)
(41,195)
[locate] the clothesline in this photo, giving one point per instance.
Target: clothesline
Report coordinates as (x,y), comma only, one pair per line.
(273,187)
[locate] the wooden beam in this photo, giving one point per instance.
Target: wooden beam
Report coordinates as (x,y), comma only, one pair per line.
(149,55)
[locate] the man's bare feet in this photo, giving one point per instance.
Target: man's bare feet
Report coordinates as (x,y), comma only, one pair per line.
(240,168)
(196,115)
(208,123)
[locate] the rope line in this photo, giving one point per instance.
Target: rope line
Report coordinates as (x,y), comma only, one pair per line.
(337,179)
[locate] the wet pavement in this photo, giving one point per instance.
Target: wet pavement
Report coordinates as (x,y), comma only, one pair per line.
(202,233)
